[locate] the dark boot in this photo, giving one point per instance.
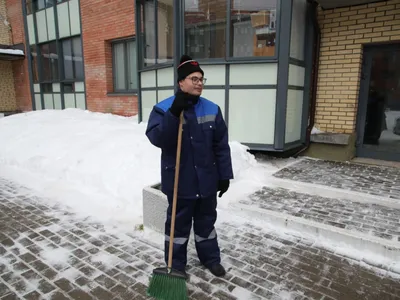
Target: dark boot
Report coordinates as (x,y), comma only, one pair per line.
(217,270)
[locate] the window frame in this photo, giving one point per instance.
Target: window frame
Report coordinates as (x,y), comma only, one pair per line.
(228,56)
(142,37)
(61,49)
(41,64)
(124,42)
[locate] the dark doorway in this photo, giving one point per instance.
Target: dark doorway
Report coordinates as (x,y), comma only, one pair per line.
(378,122)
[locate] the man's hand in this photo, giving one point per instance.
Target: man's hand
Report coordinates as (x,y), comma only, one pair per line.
(180,103)
(223,186)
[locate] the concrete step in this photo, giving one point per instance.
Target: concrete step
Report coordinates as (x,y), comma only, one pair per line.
(374,183)
(367,226)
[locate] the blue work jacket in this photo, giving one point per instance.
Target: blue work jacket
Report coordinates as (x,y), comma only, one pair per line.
(205,153)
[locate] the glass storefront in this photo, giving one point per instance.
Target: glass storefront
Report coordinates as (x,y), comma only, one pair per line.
(256,55)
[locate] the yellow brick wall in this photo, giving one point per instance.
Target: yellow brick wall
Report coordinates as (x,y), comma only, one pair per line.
(7,90)
(4,30)
(344,31)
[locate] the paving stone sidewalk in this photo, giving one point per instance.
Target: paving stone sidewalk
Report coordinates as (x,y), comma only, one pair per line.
(374,180)
(372,219)
(48,253)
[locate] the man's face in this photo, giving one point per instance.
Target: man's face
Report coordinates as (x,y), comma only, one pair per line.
(193,84)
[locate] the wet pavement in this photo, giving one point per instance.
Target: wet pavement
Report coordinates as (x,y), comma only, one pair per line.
(49,253)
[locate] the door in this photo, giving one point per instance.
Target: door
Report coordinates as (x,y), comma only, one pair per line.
(378,121)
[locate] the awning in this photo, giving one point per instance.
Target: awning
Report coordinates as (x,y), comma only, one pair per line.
(12,52)
(328,4)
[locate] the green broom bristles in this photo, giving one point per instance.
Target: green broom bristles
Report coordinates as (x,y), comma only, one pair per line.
(166,287)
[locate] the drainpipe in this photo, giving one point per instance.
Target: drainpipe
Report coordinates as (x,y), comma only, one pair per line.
(314,83)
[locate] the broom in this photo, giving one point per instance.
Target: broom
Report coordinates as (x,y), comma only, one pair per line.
(167,283)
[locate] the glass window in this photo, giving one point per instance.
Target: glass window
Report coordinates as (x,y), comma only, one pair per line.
(69,87)
(49,3)
(39,4)
(298,31)
(124,66)
(34,61)
(77,57)
(253,28)
(205,24)
(47,88)
(54,61)
(149,40)
(29,7)
(132,65)
(165,34)
(67,58)
(73,58)
(49,62)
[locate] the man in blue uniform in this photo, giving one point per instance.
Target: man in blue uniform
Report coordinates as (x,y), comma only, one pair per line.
(206,166)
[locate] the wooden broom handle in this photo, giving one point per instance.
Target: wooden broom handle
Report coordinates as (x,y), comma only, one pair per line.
(175,197)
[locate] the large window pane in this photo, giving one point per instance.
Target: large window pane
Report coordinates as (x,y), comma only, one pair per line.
(49,62)
(39,4)
(54,61)
(132,69)
(205,23)
(35,73)
(45,62)
(298,31)
(125,66)
(67,57)
(253,28)
(73,58)
(165,31)
(77,57)
(149,33)
(29,7)
(119,67)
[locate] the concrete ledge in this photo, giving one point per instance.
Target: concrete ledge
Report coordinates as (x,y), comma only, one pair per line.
(388,249)
(155,205)
(331,138)
(331,192)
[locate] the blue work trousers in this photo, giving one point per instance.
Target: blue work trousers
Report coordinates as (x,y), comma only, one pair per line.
(202,212)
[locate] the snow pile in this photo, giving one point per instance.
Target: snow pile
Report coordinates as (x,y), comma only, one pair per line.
(315,130)
(96,163)
(12,51)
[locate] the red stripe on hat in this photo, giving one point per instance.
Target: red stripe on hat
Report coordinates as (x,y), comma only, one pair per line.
(192,61)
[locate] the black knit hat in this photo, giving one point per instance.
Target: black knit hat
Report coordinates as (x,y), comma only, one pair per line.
(188,66)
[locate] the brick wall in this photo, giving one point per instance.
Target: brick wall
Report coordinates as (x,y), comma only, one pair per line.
(19,67)
(344,32)
(7,90)
(4,30)
(103,21)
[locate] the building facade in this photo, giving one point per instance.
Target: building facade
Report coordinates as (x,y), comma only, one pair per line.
(14,81)
(358,89)
(75,55)
(256,55)
(279,69)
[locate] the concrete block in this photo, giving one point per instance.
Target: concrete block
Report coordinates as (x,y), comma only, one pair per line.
(155,205)
(331,138)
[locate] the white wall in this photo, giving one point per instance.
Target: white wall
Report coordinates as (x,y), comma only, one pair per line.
(252,115)
(253,74)
(251,111)
(294,113)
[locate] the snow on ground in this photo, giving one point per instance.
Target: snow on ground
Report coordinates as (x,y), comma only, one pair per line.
(98,164)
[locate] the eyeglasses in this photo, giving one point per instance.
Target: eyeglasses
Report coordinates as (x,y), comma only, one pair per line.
(196,80)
